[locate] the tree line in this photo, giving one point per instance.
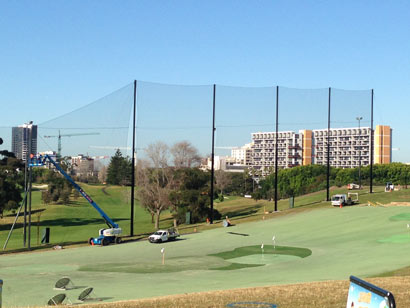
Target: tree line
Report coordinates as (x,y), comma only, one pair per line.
(11,181)
(169,179)
(306,179)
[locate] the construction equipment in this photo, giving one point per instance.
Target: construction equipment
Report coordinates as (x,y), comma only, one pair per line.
(353,186)
(67,135)
(389,187)
(106,236)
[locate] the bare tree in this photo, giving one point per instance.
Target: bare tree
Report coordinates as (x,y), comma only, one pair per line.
(185,155)
(102,174)
(158,154)
(222,180)
(155,181)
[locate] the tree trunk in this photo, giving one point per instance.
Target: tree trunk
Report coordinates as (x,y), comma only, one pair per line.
(152,217)
(175,223)
(157,219)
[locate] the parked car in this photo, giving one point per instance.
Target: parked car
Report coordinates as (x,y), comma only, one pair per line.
(163,236)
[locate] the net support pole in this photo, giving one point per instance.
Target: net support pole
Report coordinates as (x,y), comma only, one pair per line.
(30,186)
(25,201)
(133,160)
(371,143)
(30,183)
(328,147)
(1,291)
(213,157)
(276,149)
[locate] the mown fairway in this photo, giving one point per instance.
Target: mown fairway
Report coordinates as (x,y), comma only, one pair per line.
(78,221)
(359,240)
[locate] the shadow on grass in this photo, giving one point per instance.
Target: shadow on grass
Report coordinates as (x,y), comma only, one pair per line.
(22,213)
(234,233)
(61,222)
(243,212)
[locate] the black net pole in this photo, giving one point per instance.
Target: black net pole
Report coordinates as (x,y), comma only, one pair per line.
(30,185)
(25,201)
(276,149)
(328,148)
(133,160)
(212,157)
(30,176)
(371,144)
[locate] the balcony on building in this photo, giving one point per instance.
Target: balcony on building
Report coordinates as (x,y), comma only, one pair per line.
(296,155)
(291,165)
(296,147)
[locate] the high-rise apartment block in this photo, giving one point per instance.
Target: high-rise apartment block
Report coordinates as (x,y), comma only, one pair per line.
(263,150)
(242,155)
(24,140)
(348,148)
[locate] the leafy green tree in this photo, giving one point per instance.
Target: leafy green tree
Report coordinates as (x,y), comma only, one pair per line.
(193,195)
(76,194)
(58,189)
(119,170)
(46,197)
(11,181)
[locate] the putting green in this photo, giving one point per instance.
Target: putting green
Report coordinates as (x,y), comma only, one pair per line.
(397,239)
(221,261)
(336,243)
(264,259)
(401,216)
(171,265)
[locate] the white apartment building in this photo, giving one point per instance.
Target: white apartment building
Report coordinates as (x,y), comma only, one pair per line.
(263,150)
(348,147)
(242,155)
(225,163)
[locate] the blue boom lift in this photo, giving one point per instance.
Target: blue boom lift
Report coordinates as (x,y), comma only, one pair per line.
(106,236)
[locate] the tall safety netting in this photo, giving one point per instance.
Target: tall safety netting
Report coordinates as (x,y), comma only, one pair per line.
(83,141)
(174,125)
(302,118)
(173,115)
(98,129)
(350,136)
(244,114)
(5,135)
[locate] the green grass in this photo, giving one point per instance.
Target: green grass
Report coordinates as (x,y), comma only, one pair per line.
(219,261)
(267,249)
(78,221)
(341,241)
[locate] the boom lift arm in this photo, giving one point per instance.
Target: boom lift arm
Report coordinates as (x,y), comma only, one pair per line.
(106,235)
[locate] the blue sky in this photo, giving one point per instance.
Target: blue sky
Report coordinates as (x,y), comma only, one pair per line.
(57,56)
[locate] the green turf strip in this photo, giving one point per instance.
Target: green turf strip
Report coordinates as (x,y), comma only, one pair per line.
(400,217)
(396,239)
(219,261)
(343,242)
(267,249)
